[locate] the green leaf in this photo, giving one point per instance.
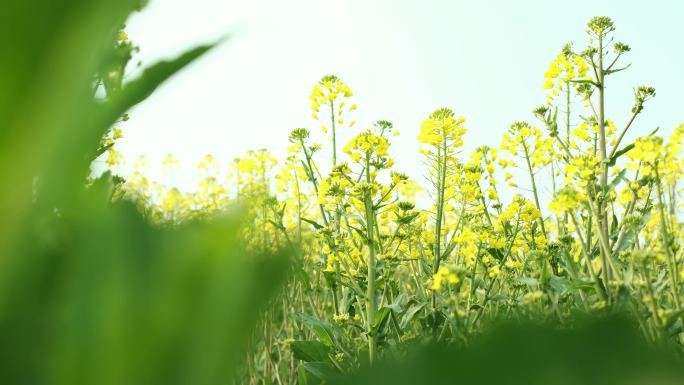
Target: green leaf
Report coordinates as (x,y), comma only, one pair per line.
(614,228)
(584,81)
(308,172)
(496,253)
(407,219)
(619,153)
(531,282)
(560,284)
(560,351)
(310,351)
(302,277)
(312,223)
(302,375)
(276,225)
(360,233)
(90,292)
(130,293)
(448,250)
(381,318)
(499,297)
(618,178)
(411,313)
(584,284)
(60,178)
(142,87)
(323,330)
(321,370)
(628,241)
(628,275)
(425,267)
(608,72)
(46,72)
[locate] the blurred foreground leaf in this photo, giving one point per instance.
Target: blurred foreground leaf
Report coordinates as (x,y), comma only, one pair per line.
(101,297)
(90,293)
(608,351)
(50,120)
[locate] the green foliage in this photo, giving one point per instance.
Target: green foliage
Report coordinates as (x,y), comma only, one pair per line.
(99,296)
(604,351)
(90,293)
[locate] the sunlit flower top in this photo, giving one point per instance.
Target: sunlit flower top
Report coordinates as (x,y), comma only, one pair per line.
(443,130)
(331,93)
(566,67)
(366,144)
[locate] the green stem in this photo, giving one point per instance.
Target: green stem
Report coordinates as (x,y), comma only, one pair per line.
(441,182)
(334,138)
(370,290)
(602,208)
(534,189)
(313,179)
(666,239)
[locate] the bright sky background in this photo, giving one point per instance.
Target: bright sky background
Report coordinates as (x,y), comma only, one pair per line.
(403,59)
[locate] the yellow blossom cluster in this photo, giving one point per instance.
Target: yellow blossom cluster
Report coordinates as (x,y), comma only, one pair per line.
(444,276)
(582,169)
(566,199)
(442,131)
(365,145)
(565,68)
(331,93)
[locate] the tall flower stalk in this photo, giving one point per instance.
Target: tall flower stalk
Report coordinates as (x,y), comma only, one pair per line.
(443,135)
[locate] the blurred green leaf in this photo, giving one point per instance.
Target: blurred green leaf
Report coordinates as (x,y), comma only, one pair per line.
(381,318)
(411,313)
(142,87)
(52,53)
(322,330)
(602,352)
(531,282)
(310,351)
(560,284)
(321,370)
(619,153)
(116,301)
(90,293)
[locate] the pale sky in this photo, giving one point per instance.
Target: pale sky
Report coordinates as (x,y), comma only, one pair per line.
(403,59)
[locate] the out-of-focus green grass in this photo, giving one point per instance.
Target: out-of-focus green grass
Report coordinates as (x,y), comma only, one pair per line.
(89,292)
(607,351)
